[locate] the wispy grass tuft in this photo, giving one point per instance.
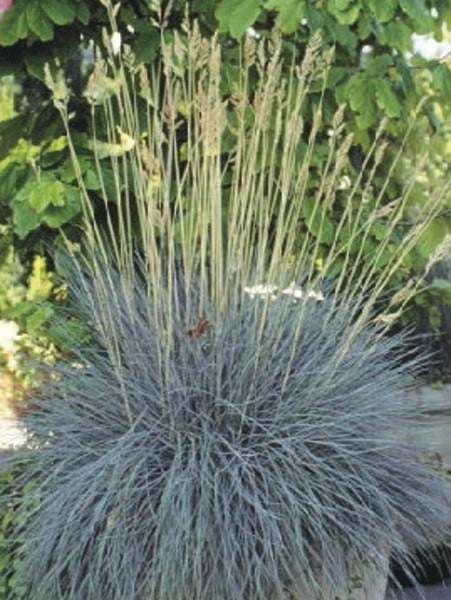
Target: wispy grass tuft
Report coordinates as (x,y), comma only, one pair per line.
(243,466)
(235,427)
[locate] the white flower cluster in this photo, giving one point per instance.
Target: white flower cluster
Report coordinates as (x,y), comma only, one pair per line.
(271,291)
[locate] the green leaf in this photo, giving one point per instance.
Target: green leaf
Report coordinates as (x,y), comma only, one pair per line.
(441,77)
(60,12)
(345,14)
(432,236)
(359,92)
(55,216)
(397,35)
(13,24)
(24,218)
(341,4)
(442,288)
(37,58)
(376,66)
(38,22)
(19,310)
(48,190)
(441,284)
(39,317)
(146,42)
(384,10)
(343,35)
(320,226)
(54,153)
(236,16)
(386,98)
(82,11)
(350,16)
(8,182)
(290,13)
(416,10)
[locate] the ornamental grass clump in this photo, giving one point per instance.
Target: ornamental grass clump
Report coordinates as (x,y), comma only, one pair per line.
(231,424)
(240,464)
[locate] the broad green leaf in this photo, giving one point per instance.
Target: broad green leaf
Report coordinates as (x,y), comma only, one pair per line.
(443,289)
(343,35)
(343,12)
(8,182)
(386,98)
(365,26)
(441,77)
(44,192)
(36,60)
(38,317)
(19,310)
(82,11)
(366,118)
(13,26)
(335,6)
(290,13)
(408,83)
(236,16)
(55,216)
(416,9)
(432,236)
(146,42)
(38,22)
(54,153)
(57,144)
(342,4)
(378,65)
(441,284)
(316,17)
(380,231)
(350,16)
(60,12)
(23,152)
(397,35)
(91,180)
(24,218)
(384,10)
(358,92)
(319,225)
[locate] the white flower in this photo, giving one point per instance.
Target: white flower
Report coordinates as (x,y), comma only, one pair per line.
(262,289)
(270,290)
(116,42)
(315,295)
(297,292)
(345,183)
(294,290)
(8,334)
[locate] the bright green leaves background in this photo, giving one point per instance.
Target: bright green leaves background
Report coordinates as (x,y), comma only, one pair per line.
(38,19)
(36,196)
(370,74)
(236,16)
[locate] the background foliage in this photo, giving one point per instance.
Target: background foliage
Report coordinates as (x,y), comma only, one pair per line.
(373,73)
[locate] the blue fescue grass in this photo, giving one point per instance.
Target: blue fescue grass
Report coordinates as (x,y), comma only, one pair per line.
(238,463)
(204,444)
